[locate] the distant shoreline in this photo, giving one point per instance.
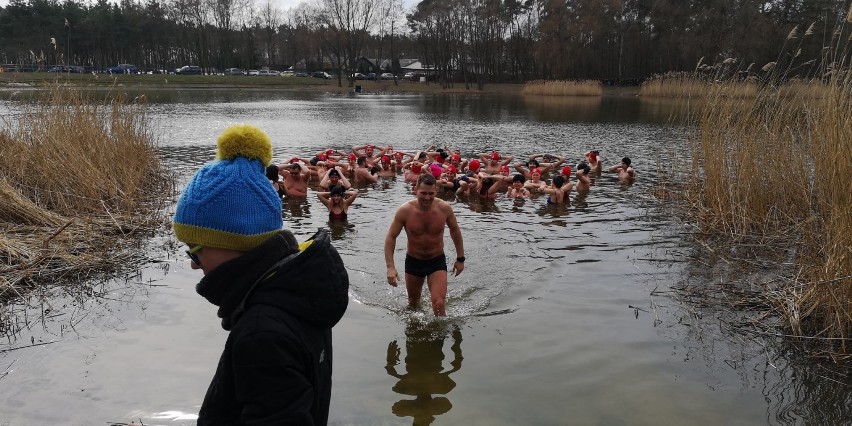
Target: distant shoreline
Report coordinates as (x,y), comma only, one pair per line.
(18,81)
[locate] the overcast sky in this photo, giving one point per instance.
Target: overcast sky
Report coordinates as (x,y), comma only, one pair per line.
(282,4)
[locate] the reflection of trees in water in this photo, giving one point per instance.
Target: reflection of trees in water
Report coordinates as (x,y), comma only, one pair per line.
(810,394)
(424,374)
(558,108)
(797,389)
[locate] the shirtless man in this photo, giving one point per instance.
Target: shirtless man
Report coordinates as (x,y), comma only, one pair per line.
(364,172)
(274,177)
(594,159)
(457,161)
(333,178)
(296,176)
(548,163)
(386,167)
(499,183)
(369,151)
(625,172)
(494,161)
(423,219)
(583,181)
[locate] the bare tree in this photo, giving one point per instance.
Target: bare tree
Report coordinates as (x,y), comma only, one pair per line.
(391,14)
(228,16)
(269,19)
(350,21)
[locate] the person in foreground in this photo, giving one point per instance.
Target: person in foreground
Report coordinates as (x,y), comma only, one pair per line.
(424,219)
(278,299)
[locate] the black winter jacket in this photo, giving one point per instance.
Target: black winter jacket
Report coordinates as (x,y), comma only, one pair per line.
(279,305)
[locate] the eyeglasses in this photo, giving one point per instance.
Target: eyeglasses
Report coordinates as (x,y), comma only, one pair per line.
(194,257)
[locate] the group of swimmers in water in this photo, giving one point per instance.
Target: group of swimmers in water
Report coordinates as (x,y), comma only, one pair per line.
(487,176)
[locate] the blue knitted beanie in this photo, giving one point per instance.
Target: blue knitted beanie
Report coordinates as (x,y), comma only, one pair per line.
(230,203)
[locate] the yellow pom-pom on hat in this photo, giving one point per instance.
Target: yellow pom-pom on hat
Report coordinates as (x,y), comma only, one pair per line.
(229,202)
(244,140)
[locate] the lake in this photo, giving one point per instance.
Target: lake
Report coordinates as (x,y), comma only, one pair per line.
(563,315)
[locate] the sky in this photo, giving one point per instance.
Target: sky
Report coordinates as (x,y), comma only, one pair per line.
(282,4)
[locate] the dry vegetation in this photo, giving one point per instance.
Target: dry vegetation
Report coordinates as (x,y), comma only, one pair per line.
(690,85)
(81,188)
(770,171)
(563,88)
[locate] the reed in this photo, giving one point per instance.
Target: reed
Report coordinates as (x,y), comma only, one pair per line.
(827,254)
(563,88)
(80,183)
(694,85)
(773,169)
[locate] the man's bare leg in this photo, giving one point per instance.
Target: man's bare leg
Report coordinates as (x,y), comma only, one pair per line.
(414,287)
(437,282)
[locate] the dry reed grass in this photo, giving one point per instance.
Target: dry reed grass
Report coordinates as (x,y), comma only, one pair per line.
(772,171)
(563,88)
(692,85)
(80,186)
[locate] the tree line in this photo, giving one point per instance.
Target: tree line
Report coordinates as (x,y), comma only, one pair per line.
(475,41)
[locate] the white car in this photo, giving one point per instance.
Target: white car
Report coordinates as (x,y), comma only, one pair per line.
(387,76)
(253,72)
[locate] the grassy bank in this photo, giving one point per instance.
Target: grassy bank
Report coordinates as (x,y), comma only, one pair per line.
(81,188)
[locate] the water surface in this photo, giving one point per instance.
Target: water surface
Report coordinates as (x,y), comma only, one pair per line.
(560,317)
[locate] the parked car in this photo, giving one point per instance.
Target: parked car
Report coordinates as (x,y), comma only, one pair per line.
(274,73)
(301,74)
(358,76)
(263,72)
(371,76)
(253,72)
(188,70)
(387,76)
(59,68)
(123,69)
(321,74)
(234,71)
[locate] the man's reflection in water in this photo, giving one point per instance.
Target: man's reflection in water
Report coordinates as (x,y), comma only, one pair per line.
(424,377)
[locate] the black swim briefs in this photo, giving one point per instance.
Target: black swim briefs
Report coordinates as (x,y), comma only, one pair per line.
(424,267)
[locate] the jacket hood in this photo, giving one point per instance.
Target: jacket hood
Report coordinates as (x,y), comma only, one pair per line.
(310,284)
